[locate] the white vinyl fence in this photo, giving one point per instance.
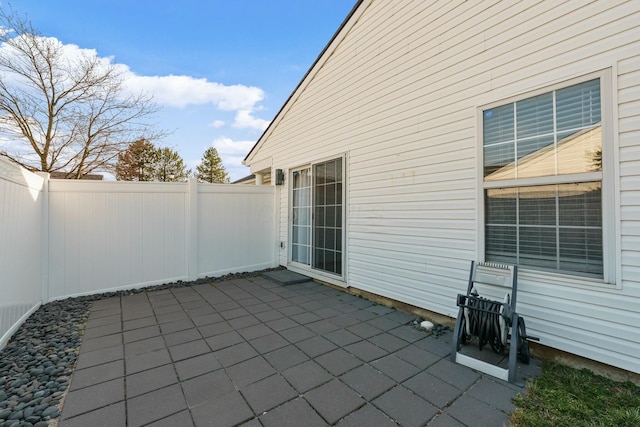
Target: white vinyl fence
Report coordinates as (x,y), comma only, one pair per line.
(21,212)
(62,238)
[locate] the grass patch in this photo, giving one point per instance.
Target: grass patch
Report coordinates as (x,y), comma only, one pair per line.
(564,396)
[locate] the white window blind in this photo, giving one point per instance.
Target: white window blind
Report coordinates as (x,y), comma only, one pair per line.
(543,181)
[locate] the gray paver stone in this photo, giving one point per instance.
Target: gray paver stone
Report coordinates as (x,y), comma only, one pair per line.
(306,376)
(494,394)
(101,343)
(388,342)
(98,357)
(235,354)
(338,361)
(366,351)
(395,367)
(189,349)
(368,382)
(444,420)
(146,361)
(144,346)
(405,407)
(455,374)
(93,397)
(292,414)
(198,365)
(417,356)
(316,346)
(243,322)
(433,389)
(342,337)
(255,331)
(225,411)
(470,411)
(97,374)
(367,416)
(250,371)
(268,393)
(178,325)
(269,343)
(140,333)
(334,400)
(207,387)
(155,405)
(182,337)
(112,415)
(182,419)
(286,357)
(214,329)
(151,379)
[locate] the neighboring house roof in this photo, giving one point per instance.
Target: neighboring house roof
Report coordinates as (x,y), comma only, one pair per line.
(244,179)
(251,180)
(325,53)
(89,176)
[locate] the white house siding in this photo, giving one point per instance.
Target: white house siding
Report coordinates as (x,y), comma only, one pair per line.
(21,214)
(399,92)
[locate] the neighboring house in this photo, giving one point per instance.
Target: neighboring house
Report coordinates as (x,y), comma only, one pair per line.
(89,176)
(252,180)
(431,133)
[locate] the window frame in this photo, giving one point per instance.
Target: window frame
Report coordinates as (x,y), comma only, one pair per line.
(607,178)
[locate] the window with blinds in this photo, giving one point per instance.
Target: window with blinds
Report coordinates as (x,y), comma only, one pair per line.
(542,169)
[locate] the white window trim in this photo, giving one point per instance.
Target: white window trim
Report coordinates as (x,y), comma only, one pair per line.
(609,178)
(339,280)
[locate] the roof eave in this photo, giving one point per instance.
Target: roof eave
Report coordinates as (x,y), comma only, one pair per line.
(302,81)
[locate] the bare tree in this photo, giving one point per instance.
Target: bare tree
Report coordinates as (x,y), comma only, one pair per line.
(64,112)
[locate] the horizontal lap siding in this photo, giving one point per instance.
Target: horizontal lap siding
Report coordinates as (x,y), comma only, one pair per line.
(400,94)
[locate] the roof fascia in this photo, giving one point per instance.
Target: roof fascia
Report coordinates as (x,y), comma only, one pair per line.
(336,39)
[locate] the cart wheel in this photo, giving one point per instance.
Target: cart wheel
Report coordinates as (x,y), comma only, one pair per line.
(523,344)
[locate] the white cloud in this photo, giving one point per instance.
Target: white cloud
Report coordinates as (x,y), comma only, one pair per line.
(178,91)
(232,153)
(244,119)
(217,124)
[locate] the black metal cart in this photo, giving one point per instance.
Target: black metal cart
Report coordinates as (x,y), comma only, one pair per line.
(487,317)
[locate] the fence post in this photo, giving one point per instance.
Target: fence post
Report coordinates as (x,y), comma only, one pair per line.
(44,238)
(192,253)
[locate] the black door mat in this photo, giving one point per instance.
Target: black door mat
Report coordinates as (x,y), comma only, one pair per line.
(286,277)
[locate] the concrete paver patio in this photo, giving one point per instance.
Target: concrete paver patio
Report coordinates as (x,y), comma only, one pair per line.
(253,352)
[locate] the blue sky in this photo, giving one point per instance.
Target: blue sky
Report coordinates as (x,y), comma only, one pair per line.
(220,70)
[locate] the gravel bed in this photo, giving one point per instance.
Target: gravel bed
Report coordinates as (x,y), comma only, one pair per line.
(37,363)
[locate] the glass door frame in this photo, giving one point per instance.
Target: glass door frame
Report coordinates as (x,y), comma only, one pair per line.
(339,278)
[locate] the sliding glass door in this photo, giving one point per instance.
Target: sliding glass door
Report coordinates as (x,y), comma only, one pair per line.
(301,224)
(317,216)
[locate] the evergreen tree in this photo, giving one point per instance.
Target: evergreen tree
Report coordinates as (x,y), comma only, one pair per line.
(137,163)
(211,168)
(170,167)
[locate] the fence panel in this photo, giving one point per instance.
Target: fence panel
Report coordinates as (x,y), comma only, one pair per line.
(21,220)
(106,236)
(236,228)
